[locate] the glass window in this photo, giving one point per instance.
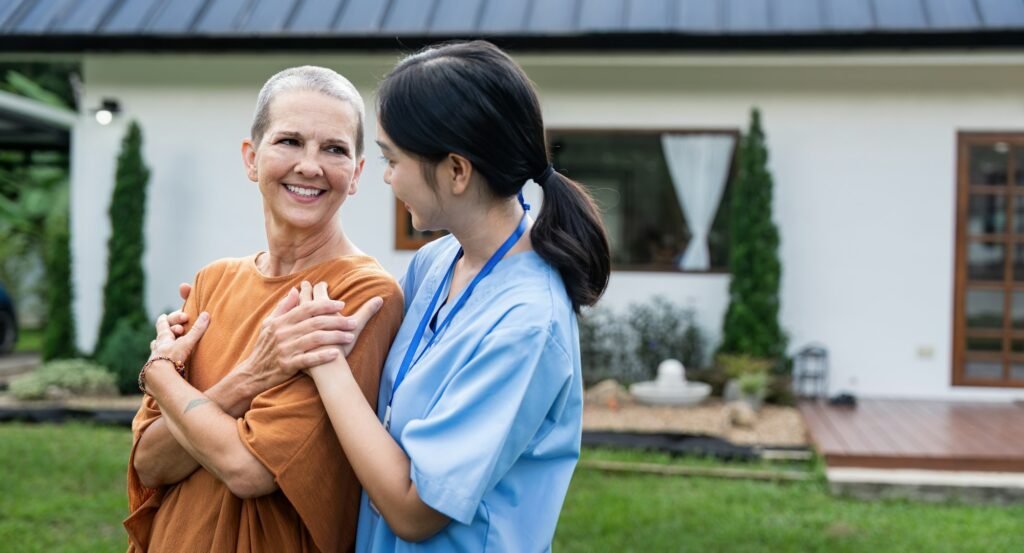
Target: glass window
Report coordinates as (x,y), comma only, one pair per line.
(629,178)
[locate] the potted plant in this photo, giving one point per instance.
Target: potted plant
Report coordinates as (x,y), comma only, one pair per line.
(753,388)
(748,378)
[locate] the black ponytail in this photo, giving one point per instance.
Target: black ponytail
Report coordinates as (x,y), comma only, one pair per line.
(472,99)
(569,235)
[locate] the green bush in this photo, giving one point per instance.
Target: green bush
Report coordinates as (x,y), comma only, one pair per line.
(125,351)
(628,347)
(665,331)
(123,293)
(606,346)
(64,377)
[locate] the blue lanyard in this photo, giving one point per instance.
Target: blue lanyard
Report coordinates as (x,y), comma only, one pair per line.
(411,356)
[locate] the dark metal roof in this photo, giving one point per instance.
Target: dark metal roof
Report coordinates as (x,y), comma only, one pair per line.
(75,25)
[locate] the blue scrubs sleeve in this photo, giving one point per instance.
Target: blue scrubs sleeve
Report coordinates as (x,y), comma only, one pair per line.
(486,417)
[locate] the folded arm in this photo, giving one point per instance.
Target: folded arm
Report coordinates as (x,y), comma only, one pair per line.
(281,350)
(160,460)
(207,433)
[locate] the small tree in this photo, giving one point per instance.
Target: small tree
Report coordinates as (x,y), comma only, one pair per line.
(751,324)
(59,340)
(123,291)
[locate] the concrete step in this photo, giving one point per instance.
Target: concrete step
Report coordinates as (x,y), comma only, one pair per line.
(936,486)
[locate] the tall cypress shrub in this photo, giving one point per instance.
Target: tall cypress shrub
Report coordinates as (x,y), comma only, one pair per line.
(123,291)
(59,339)
(751,324)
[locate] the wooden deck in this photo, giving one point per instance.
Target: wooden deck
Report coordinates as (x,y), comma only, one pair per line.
(919,435)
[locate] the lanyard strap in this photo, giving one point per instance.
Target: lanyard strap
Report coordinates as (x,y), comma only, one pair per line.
(411,356)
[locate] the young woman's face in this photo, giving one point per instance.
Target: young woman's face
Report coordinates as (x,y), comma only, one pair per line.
(404,173)
(306,163)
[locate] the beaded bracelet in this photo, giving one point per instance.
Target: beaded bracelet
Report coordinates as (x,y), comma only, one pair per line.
(178,366)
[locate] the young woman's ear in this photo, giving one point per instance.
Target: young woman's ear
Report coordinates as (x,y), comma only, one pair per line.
(460,173)
(249,159)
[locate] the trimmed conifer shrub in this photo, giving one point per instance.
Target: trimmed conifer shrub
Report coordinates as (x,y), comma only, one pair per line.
(123,297)
(59,339)
(751,324)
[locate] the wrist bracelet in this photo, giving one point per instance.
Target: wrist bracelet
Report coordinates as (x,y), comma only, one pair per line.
(178,366)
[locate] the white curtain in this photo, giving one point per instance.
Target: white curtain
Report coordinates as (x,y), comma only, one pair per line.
(699,165)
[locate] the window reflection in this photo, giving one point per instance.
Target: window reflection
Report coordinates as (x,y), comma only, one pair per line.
(989,163)
(985,308)
(986,214)
(984,370)
(985,261)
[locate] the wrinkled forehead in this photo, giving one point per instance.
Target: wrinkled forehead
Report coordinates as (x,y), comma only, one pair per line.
(312,112)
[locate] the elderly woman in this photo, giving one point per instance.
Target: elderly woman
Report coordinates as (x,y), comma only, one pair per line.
(225,457)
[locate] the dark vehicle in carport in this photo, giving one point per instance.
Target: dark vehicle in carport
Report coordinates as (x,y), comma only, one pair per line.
(8,322)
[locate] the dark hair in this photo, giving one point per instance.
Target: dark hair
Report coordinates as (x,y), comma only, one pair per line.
(472,99)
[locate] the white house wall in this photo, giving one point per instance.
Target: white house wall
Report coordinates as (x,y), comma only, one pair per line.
(862,150)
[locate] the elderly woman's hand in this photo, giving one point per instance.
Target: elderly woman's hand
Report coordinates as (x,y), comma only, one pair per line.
(312,294)
(171,341)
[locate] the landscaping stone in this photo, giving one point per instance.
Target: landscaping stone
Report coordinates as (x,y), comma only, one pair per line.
(608,393)
(741,414)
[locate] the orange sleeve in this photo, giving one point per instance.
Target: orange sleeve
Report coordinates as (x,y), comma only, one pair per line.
(288,430)
(142,501)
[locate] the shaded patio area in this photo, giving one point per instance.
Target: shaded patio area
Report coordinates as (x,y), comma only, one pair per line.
(931,435)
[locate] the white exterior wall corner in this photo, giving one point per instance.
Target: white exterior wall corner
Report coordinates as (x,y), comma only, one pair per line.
(863,152)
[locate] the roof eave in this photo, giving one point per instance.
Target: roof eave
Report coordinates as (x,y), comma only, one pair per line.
(634,41)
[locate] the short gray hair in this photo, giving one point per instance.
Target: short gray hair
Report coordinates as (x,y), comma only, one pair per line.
(313,78)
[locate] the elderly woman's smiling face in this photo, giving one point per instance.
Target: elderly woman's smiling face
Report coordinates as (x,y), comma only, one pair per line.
(306,163)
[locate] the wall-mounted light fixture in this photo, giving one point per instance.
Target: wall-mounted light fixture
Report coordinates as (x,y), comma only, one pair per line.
(107,110)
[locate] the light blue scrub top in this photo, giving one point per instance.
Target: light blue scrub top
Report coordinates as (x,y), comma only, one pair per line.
(491,415)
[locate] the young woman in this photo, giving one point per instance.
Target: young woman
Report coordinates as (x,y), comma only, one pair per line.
(478,421)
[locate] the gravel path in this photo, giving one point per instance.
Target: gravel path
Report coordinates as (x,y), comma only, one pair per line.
(775,426)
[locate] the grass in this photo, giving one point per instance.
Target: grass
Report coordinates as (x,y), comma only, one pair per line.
(29,340)
(624,513)
(62,489)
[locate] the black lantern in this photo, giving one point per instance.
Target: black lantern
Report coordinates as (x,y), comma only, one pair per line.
(810,372)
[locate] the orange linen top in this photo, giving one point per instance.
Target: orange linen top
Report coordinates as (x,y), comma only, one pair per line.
(316,506)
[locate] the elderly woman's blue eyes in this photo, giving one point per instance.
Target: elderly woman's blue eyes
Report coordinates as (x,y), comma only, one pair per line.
(337,150)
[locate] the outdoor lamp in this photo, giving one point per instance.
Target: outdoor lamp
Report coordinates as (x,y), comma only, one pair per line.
(107,110)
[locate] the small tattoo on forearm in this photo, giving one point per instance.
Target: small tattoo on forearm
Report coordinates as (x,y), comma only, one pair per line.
(195,403)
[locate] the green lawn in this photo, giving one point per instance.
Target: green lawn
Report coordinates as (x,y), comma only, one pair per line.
(612,512)
(29,340)
(62,489)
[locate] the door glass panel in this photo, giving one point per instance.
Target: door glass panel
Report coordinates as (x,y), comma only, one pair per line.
(985,261)
(989,163)
(984,345)
(1018,215)
(1018,262)
(986,214)
(983,370)
(985,308)
(1017,371)
(1018,161)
